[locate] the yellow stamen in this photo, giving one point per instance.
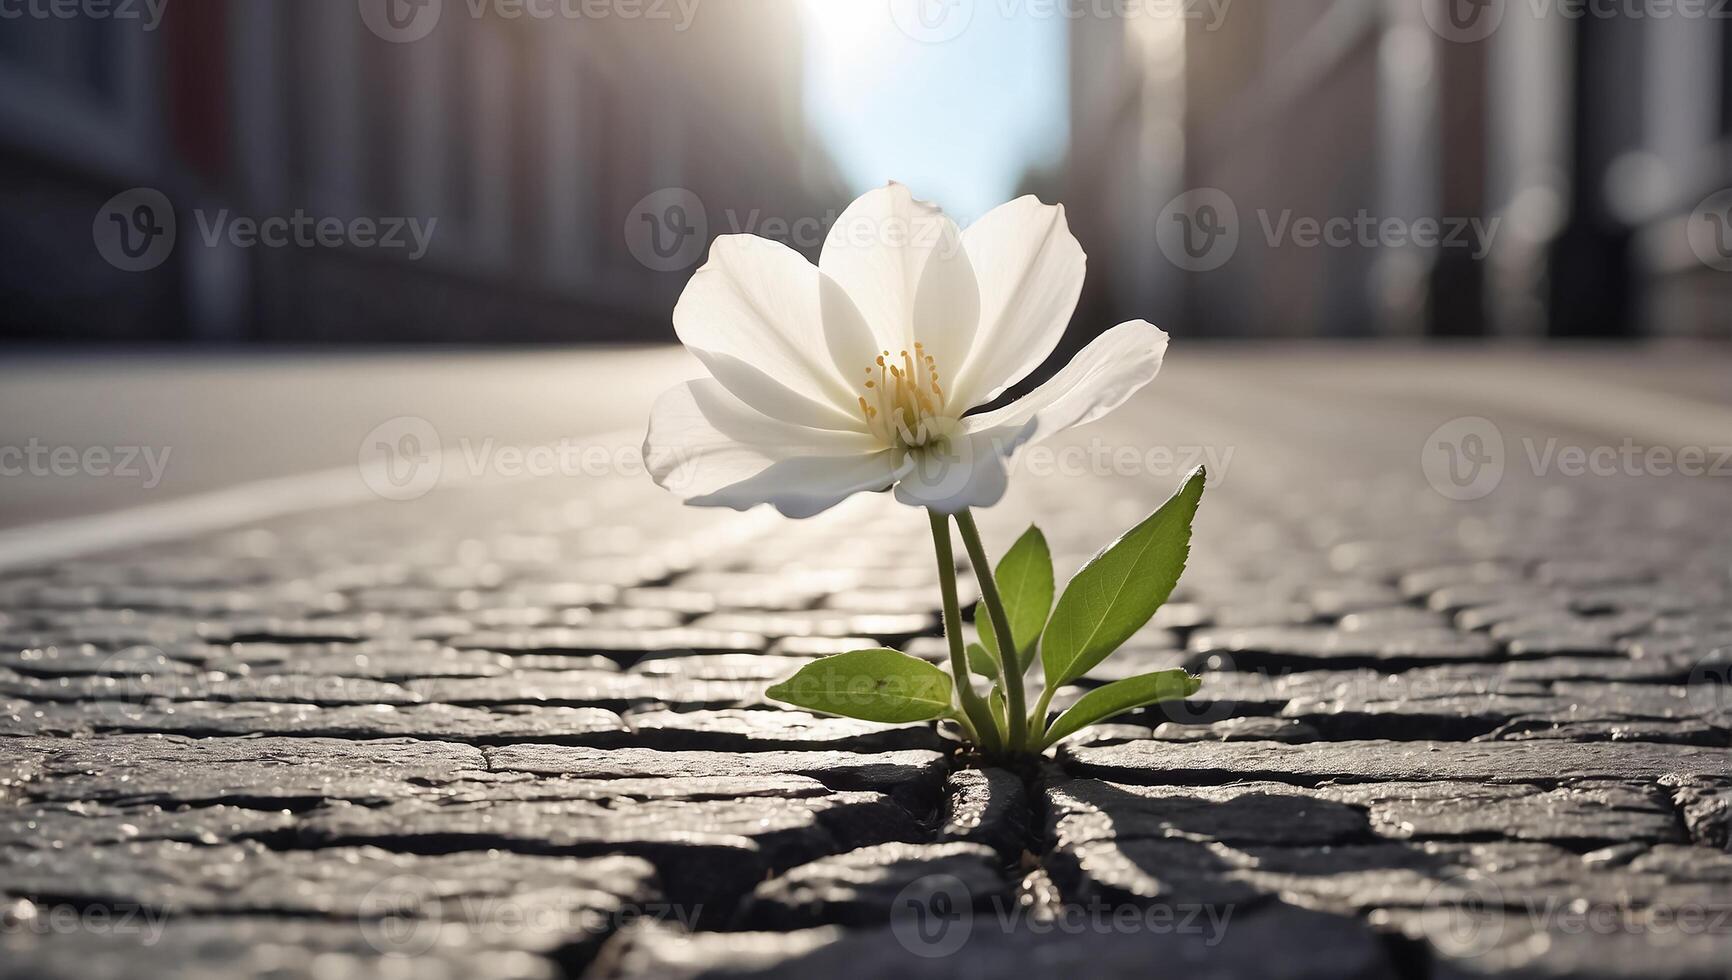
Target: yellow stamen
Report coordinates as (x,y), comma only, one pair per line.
(905,402)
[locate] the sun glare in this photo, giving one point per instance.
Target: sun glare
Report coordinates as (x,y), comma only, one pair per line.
(844,21)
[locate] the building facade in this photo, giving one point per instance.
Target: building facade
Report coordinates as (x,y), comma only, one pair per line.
(1414,168)
(546,168)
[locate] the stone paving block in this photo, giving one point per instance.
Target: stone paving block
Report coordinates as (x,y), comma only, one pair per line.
(76,825)
(735,730)
(890,628)
(1316,647)
(430,722)
(767,668)
(912,777)
(208,686)
(1534,762)
(708,852)
(373,903)
(83,660)
(1625,945)
(265,773)
(987,806)
(613,690)
(859,888)
(1083,810)
(1250,729)
(288,948)
(1705,803)
(1312,945)
(621,645)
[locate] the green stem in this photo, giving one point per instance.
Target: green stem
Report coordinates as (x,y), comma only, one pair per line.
(1037,720)
(1010,660)
(972,704)
(967,726)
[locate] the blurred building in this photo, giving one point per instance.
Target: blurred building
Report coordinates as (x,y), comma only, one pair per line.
(1591,151)
(530,139)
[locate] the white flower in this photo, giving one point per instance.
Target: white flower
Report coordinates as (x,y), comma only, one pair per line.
(859,374)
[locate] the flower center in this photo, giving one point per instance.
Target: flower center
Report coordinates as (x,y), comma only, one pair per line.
(904,403)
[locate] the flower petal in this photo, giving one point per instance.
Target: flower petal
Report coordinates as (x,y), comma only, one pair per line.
(853,348)
(1101,378)
(1031,269)
(757,301)
(947,307)
(702,439)
(807,485)
(877,251)
(968,470)
(768,396)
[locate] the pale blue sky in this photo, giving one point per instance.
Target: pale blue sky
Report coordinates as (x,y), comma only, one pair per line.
(958,121)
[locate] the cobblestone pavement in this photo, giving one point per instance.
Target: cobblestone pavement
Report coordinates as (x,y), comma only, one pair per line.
(517,727)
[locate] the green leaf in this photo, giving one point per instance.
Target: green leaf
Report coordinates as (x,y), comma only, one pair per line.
(872,685)
(1121,696)
(1025,584)
(981,662)
(1114,595)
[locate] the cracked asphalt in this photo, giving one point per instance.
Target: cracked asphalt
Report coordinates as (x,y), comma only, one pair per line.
(1462,615)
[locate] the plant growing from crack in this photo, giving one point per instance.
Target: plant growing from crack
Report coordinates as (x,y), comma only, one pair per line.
(941,322)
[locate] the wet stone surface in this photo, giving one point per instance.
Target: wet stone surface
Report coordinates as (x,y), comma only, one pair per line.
(521,731)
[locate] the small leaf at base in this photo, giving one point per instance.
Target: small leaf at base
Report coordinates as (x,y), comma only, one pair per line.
(1121,696)
(1119,589)
(871,685)
(981,662)
(1025,584)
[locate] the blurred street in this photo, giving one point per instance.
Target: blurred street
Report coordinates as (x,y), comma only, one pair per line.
(221,420)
